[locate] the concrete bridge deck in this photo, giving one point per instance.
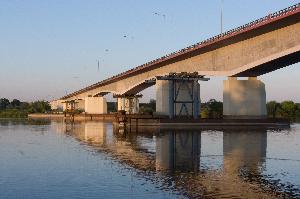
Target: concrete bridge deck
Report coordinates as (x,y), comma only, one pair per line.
(253,49)
(256,48)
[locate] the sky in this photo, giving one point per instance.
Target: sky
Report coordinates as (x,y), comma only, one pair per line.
(50,48)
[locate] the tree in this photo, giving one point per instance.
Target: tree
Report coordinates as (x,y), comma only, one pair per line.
(204,113)
(15,103)
(298,111)
(112,106)
(272,108)
(25,106)
(212,109)
(40,107)
(288,109)
(152,104)
(4,103)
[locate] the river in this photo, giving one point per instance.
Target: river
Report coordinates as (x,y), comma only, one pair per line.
(55,159)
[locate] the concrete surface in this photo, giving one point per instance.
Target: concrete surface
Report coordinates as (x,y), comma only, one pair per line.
(95,105)
(244,98)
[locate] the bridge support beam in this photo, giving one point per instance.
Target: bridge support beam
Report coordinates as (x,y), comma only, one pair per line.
(178,98)
(129,103)
(95,105)
(244,98)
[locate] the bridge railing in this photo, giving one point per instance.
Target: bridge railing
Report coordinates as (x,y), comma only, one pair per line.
(226,34)
(242,28)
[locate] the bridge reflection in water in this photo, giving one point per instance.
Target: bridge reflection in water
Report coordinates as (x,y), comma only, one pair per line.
(182,157)
(178,151)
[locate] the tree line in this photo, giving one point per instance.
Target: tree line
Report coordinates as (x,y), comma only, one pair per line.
(210,109)
(18,109)
(285,109)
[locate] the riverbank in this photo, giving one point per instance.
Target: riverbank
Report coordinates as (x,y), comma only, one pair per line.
(157,121)
(13,113)
(78,117)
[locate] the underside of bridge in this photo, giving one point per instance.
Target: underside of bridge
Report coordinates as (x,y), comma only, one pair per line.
(272,65)
(259,47)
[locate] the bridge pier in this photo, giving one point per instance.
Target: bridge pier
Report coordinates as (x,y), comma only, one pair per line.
(95,105)
(129,103)
(244,98)
(178,95)
(72,104)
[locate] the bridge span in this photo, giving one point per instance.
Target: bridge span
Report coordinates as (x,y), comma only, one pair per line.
(256,48)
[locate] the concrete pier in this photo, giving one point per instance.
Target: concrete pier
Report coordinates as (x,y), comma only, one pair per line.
(177,98)
(162,97)
(244,98)
(129,103)
(95,105)
(77,104)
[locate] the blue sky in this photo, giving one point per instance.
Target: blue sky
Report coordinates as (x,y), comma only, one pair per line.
(48,48)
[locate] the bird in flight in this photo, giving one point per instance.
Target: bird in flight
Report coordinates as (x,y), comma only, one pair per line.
(160,14)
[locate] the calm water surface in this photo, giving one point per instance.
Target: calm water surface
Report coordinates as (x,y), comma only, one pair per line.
(53,159)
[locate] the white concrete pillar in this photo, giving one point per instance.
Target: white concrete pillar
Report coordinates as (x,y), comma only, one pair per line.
(162,97)
(136,105)
(130,104)
(65,106)
(123,103)
(80,104)
(244,98)
(57,104)
(95,105)
(120,104)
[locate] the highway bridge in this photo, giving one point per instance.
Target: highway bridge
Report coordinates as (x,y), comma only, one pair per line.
(251,50)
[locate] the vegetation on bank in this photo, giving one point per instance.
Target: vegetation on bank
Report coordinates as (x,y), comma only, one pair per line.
(285,109)
(210,109)
(148,108)
(18,109)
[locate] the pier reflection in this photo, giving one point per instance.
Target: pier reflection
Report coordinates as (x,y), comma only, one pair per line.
(178,150)
(93,133)
(176,155)
(244,151)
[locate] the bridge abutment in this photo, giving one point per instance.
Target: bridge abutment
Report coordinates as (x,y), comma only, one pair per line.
(244,98)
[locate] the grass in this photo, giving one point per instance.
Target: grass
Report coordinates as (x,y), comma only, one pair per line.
(13,113)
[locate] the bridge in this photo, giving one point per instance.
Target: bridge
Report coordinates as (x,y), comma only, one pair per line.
(251,50)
